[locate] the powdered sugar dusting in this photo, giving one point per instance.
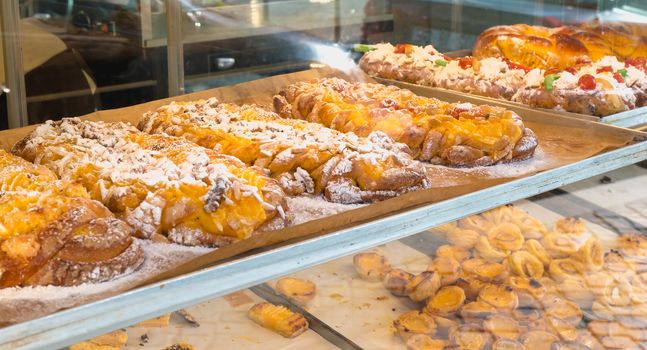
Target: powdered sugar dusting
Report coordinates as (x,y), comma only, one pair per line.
(22,304)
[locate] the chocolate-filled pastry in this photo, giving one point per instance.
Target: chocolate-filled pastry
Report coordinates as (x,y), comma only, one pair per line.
(456,134)
(158,184)
(52,233)
(304,157)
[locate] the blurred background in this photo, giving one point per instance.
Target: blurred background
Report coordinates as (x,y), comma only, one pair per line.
(79,56)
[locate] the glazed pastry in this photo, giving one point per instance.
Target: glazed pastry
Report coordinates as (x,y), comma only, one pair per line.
(371,266)
(447,301)
(537,249)
(414,322)
(396,281)
(561,47)
(539,340)
(485,271)
(445,325)
(423,286)
(435,131)
(447,268)
(562,328)
(458,253)
(507,344)
(158,184)
(525,264)
(506,237)
(591,254)
(485,250)
(560,245)
(278,319)
(568,345)
(577,290)
(563,269)
(471,285)
(502,297)
(463,238)
(297,290)
(502,326)
(529,291)
(618,266)
(477,311)
(304,157)
(52,233)
(570,225)
(566,311)
(424,342)
(469,337)
(476,223)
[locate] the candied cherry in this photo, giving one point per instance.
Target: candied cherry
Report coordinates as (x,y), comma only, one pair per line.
(587,82)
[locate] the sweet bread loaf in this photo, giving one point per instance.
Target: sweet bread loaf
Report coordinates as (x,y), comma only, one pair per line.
(304,157)
(561,47)
(603,87)
(158,184)
(435,131)
(51,232)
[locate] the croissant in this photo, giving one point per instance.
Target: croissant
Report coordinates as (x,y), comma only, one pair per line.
(435,131)
(51,232)
(305,157)
(562,47)
(158,184)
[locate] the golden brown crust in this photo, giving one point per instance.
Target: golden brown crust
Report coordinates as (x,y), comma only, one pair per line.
(562,47)
(159,184)
(435,131)
(53,234)
(304,157)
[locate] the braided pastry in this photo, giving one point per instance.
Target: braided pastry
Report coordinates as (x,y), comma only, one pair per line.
(304,157)
(158,184)
(562,47)
(51,232)
(435,131)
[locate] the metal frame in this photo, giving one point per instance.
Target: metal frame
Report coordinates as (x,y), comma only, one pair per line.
(174,48)
(93,319)
(13,68)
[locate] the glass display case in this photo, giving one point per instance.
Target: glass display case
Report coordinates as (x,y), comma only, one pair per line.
(367,174)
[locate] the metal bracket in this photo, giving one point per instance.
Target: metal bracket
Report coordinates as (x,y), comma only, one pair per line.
(13,68)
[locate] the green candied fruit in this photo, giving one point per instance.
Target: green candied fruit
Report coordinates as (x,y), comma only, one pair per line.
(441,63)
(623,73)
(364,48)
(549,80)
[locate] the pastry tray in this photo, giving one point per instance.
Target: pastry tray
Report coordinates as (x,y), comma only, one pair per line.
(270,255)
(627,119)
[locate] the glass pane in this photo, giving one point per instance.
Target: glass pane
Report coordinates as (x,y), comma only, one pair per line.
(82,56)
